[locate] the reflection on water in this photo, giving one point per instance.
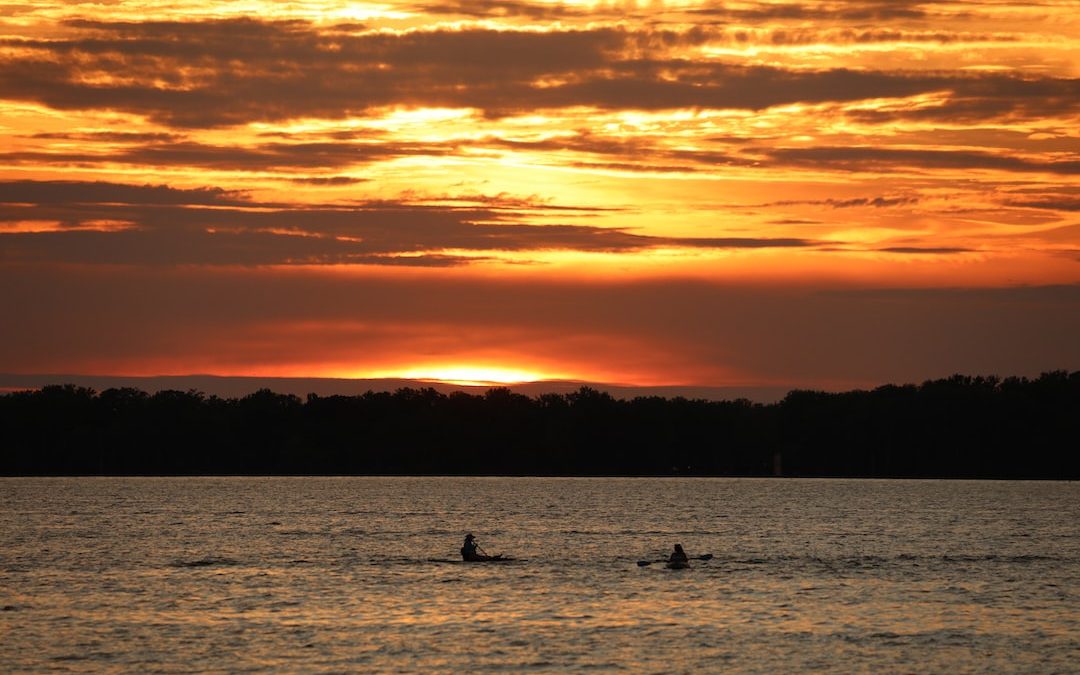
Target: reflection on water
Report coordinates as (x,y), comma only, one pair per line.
(337,574)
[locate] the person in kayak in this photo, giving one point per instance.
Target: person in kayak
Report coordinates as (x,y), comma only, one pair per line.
(469,550)
(678,556)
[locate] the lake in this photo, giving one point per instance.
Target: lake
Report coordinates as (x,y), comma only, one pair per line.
(361,574)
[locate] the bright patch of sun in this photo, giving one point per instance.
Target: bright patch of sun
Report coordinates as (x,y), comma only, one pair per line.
(471,375)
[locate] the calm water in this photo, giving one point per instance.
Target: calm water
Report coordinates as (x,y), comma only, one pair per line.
(335,574)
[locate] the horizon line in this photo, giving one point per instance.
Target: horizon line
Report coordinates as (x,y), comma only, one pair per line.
(241,385)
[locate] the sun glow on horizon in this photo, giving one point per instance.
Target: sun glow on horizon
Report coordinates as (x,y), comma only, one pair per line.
(468,375)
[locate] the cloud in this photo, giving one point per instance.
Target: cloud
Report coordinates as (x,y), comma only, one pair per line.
(929,250)
(338,154)
(1050,203)
(879,159)
(227,72)
(328,180)
(109,136)
(856,202)
(501,8)
(798,36)
(212,227)
(853,10)
(64,192)
(641,154)
(974,99)
(258,157)
(869,10)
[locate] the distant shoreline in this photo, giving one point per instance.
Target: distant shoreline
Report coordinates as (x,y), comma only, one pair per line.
(239,386)
(959,427)
(568,477)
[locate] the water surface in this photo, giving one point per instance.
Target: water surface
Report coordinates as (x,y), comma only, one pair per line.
(342,574)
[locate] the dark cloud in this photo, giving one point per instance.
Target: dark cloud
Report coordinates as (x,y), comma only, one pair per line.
(501,8)
(637,154)
(63,192)
(739,242)
(875,202)
(878,159)
(802,35)
(216,73)
(404,246)
(273,155)
(930,250)
(328,180)
(214,228)
(338,153)
(261,157)
(1050,203)
(174,247)
(640,85)
(853,10)
(639,167)
(847,11)
(980,98)
(110,136)
(226,72)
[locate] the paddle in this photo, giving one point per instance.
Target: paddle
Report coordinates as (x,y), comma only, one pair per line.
(487,555)
(646,563)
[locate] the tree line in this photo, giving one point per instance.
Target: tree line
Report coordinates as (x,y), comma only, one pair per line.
(957,427)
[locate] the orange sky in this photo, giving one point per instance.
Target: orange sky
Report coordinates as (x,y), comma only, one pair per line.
(813,194)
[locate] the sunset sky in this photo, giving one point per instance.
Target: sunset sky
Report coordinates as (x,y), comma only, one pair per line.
(753,193)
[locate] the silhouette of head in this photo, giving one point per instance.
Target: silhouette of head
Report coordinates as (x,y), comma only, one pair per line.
(469,537)
(678,547)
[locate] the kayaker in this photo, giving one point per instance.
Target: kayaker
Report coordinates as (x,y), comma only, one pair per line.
(678,555)
(468,550)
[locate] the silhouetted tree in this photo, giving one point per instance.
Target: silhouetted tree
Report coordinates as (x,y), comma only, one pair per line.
(960,426)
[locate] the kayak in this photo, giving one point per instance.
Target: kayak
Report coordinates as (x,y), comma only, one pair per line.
(494,559)
(677,565)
